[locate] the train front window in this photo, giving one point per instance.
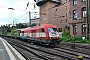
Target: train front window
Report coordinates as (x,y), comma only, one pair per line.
(52,29)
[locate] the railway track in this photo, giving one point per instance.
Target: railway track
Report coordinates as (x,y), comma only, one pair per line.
(40,53)
(52,53)
(80,48)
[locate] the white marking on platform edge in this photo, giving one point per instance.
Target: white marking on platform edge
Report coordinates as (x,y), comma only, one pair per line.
(18,54)
(1,50)
(8,51)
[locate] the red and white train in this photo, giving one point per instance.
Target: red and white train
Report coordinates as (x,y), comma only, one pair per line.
(45,34)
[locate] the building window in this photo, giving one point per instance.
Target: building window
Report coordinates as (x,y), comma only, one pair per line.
(65,7)
(59,29)
(84,28)
(74,2)
(83,0)
(65,14)
(65,1)
(84,12)
(65,20)
(74,14)
(74,30)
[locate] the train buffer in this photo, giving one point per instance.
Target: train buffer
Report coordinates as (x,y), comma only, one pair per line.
(7,52)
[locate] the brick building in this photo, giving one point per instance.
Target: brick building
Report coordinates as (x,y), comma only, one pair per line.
(58,15)
(78,17)
(69,12)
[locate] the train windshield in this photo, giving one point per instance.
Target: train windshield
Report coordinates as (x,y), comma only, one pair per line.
(52,29)
(53,32)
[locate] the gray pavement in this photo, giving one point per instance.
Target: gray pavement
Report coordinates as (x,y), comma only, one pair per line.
(7,52)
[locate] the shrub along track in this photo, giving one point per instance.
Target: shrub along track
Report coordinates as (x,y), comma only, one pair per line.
(46,53)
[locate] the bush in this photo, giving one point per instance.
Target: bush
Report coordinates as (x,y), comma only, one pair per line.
(66,37)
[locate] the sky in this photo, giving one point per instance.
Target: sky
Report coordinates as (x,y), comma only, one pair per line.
(20,14)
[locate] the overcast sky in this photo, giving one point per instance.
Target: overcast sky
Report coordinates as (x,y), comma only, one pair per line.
(20,14)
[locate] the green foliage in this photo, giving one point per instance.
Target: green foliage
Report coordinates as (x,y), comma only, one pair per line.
(66,37)
(66,34)
(5,29)
(34,24)
(13,33)
(18,26)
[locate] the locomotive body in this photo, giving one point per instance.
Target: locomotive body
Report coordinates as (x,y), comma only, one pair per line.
(45,34)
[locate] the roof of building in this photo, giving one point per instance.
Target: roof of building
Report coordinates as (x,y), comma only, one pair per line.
(41,2)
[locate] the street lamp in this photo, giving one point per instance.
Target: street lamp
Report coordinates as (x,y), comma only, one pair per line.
(73,25)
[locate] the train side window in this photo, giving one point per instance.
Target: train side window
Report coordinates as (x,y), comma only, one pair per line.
(22,31)
(43,30)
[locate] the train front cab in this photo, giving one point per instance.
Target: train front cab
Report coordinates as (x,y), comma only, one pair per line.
(52,36)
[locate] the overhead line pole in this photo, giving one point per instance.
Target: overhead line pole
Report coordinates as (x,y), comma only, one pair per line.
(29,18)
(88,19)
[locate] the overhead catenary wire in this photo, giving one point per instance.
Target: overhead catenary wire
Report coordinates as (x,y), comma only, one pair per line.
(45,10)
(48,9)
(19,9)
(24,10)
(22,15)
(25,13)
(3,7)
(57,5)
(54,7)
(24,18)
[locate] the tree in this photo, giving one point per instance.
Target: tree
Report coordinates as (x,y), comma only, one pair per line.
(5,29)
(18,26)
(34,24)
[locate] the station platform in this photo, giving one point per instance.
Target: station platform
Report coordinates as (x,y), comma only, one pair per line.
(7,52)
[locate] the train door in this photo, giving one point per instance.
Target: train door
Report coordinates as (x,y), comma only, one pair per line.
(34,33)
(22,33)
(43,34)
(38,31)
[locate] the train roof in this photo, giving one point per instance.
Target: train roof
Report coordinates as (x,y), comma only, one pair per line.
(25,28)
(38,27)
(49,25)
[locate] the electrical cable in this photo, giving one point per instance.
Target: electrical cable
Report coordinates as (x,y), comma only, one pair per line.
(22,16)
(57,5)
(26,9)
